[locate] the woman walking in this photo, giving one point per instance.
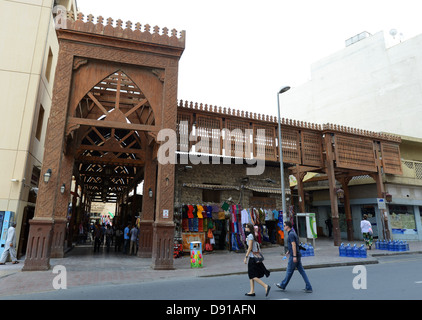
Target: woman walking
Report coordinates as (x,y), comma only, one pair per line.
(366,229)
(255,270)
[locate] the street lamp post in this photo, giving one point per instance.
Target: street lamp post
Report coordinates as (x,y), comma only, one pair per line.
(283,192)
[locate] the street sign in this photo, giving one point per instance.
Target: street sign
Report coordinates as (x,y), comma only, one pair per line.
(381,203)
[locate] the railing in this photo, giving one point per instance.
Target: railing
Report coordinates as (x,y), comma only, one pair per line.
(412,169)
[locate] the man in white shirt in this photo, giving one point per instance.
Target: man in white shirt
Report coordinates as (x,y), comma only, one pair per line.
(10,246)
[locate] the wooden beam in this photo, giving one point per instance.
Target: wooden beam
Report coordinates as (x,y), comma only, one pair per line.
(111,124)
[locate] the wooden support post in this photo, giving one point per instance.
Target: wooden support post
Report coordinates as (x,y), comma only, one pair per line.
(332,188)
(299,178)
(344,182)
(148,207)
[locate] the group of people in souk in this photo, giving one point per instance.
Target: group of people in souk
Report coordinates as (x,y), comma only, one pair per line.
(124,238)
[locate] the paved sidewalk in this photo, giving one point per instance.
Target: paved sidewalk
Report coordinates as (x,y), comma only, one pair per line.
(86,268)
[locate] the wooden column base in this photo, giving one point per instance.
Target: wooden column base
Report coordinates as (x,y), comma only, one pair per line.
(145,239)
(57,245)
(39,245)
(163,246)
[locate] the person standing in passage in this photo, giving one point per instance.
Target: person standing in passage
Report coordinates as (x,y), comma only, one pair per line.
(133,239)
(126,239)
(118,240)
(109,237)
(294,259)
(98,235)
(10,246)
(255,270)
(329,225)
(366,229)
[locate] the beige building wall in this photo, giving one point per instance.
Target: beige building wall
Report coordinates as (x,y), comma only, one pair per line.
(368,85)
(28,56)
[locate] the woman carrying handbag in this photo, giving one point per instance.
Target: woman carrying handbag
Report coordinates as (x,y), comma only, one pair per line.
(256,268)
(366,229)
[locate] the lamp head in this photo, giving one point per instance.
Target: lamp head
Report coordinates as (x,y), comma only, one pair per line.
(284,89)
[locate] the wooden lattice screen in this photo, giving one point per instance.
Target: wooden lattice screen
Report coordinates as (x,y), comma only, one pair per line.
(311,148)
(290,146)
(183,129)
(208,128)
(264,145)
(238,140)
(391,158)
(354,153)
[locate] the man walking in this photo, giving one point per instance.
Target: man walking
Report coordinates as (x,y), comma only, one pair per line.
(294,259)
(10,246)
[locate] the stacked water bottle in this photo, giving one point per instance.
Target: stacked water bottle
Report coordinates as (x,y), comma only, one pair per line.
(352,251)
(309,252)
(396,245)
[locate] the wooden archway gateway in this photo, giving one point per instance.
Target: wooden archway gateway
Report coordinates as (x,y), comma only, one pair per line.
(114,90)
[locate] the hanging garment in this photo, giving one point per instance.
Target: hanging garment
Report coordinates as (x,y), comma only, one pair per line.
(221,215)
(185,210)
(199,212)
(244,217)
(195,211)
(190,224)
(195,224)
(185,224)
(190,211)
(209,212)
(200,225)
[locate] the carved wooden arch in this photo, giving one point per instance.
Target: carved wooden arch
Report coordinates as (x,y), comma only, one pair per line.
(92,72)
(109,158)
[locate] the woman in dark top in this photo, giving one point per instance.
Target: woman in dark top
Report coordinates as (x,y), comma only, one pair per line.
(255,270)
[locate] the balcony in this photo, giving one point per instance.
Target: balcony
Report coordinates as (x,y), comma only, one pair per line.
(412,174)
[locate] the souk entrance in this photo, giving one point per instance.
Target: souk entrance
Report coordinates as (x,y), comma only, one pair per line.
(114,90)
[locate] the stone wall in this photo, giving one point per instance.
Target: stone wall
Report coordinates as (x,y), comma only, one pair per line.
(229,175)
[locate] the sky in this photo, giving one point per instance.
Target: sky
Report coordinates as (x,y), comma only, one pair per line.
(239,53)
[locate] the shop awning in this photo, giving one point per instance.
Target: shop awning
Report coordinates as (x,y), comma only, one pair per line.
(263,189)
(210,186)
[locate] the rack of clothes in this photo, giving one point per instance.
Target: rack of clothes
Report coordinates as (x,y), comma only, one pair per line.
(222,226)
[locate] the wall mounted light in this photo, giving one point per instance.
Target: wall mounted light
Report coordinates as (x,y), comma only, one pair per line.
(150,192)
(62,188)
(47,176)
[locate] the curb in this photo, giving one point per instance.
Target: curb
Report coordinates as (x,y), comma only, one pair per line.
(314,266)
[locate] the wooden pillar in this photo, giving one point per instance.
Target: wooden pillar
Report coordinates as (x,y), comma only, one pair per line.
(163,237)
(73,218)
(299,178)
(41,226)
(62,205)
(148,206)
(332,188)
(344,182)
(380,194)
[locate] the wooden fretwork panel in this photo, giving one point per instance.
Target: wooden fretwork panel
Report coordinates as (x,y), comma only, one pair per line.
(264,143)
(207,130)
(311,148)
(183,129)
(354,153)
(391,158)
(290,146)
(237,141)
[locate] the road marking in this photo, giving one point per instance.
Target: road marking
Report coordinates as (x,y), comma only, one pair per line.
(418,281)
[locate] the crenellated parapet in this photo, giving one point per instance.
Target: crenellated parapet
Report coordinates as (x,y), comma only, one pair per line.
(224,112)
(125,30)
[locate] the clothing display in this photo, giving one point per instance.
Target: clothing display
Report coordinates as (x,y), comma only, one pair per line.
(222,226)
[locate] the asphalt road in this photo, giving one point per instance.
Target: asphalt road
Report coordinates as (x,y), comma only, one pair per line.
(393,278)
